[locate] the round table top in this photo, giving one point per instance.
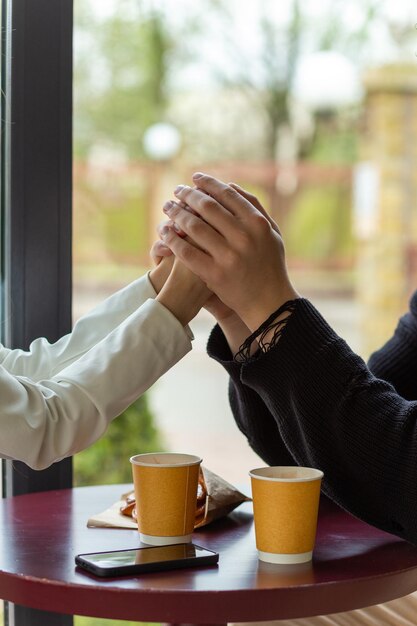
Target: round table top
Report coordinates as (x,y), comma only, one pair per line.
(354,565)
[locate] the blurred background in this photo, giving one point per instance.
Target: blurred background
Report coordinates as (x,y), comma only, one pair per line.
(310,105)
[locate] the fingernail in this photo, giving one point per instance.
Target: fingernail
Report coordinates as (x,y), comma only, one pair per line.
(179,189)
(176,228)
(167,206)
(197,175)
(164,231)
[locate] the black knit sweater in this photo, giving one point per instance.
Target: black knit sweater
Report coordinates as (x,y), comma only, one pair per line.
(311,401)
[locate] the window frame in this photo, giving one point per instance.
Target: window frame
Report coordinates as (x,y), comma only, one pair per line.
(36,208)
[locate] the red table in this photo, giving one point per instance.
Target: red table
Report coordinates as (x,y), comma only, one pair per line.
(354,566)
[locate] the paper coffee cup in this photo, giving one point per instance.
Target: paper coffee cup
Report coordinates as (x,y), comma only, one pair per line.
(285,506)
(166,496)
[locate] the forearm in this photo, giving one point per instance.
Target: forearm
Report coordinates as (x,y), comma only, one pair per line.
(234,330)
(46,421)
(183,294)
(183,307)
(255,314)
(251,415)
(396,361)
(256,422)
(333,414)
(44,359)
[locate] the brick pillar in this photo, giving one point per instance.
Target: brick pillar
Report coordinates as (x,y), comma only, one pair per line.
(386,202)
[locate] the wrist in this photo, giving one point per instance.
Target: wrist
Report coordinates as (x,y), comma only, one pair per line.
(267,335)
(231,318)
(232,323)
(159,274)
(156,278)
(183,304)
(255,314)
(170,301)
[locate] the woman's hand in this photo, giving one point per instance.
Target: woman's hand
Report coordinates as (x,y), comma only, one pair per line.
(160,251)
(183,293)
(233,328)
(163,259)
(239,254)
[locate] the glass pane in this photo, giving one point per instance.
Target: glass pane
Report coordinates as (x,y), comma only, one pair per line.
(270,97)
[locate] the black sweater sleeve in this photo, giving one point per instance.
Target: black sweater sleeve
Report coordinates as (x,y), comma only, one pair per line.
(396,361)
(333,414)
(251,414)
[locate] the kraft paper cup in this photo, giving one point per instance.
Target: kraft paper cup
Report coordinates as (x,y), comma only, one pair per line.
(166,496)
(285,505)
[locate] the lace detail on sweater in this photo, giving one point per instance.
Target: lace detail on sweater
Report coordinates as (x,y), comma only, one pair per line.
(243,355)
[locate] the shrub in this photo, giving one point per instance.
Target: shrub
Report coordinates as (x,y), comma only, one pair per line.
(107,460)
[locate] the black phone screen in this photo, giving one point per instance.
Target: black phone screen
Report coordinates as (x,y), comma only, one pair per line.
(151,558)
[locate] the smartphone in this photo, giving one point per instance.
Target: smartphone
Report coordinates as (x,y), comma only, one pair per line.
(147,559)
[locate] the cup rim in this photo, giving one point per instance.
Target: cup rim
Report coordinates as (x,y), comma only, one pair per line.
(187,459)
(311,474)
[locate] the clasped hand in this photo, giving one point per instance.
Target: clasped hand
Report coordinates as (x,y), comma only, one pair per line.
(222,234)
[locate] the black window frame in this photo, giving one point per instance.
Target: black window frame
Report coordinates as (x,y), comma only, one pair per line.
(36,205)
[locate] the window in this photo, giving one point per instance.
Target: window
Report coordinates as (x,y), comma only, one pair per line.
(156,92)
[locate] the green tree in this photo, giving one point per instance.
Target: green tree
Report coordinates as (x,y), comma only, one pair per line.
(266,74)
(122,68)
(120,77)
(107,460)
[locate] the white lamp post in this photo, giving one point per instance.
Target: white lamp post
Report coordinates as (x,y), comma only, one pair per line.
(161,142)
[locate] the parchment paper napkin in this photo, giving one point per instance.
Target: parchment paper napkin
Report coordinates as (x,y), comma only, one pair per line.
(221,499)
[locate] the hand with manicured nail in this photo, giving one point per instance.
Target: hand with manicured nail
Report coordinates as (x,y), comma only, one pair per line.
(178,288)
(227,319)
(239,250)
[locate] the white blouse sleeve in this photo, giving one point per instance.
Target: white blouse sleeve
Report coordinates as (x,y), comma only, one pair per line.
(44,360)
(45,421)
